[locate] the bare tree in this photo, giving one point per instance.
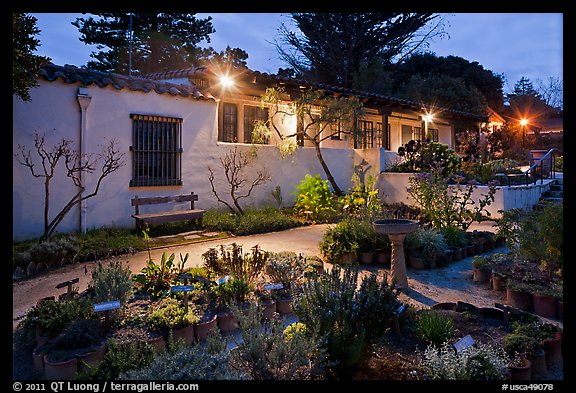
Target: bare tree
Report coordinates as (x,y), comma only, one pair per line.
(319,117)
(551,91)
(76,165)
(234,163)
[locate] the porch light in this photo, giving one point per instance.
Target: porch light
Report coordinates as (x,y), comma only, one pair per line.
(226,81)
(523,122)
(428,118)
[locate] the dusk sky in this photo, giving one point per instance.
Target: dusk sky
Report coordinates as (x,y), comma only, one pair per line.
(513,44)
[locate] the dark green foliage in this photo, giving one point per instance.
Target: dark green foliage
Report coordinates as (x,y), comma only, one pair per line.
(423,155)
(230,260)
(253,221)
(348,320)
(79,334)
(235,290)
(25,65)
(314,200)
(433,327)
(156,279)
(111,282)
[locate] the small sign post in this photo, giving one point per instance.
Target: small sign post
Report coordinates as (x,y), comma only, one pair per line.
(273,286)
(397,313)
(222,280)
(68,284)
(106,307)
(184,288)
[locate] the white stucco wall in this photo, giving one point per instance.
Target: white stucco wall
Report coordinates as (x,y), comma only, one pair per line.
(54,110)
(392,188)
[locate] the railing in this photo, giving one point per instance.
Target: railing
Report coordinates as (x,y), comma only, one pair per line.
(537,170)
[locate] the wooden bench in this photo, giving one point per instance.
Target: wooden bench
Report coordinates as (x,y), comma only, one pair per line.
(167,216)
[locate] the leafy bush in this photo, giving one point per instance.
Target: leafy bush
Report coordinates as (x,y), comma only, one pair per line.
(54,252)
(230,260)
(286,268)
(313,195)
(80,333)
(426,242)
(454,236)
(348,320)
(266,353)
(156,279)
(362,201)
(340,239)
(516,344)
(479,362)
(192,363)
(433,327)
(169,314)
(52,317)
(112,282)
(235,290)
(420,156)
(253,221)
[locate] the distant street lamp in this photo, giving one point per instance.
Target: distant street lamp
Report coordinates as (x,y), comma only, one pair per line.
(524,123)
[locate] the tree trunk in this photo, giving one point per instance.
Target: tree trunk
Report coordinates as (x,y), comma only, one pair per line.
(337,189)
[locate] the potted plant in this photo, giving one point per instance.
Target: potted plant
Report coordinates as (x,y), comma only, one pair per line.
(170,317)
(425,243)
(235,292)
(455,240)
(520,368)
(340,243)
(205,302)
(518,344)
(518,294)
(498,280)
(544,300)
(482,269)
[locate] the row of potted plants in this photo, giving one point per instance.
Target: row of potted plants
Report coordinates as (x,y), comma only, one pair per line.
(527,287)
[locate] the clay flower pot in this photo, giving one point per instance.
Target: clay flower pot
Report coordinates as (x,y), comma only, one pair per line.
(498,282)
(544,305)
(469,250)
(284,306)
(478,248)
(456,254)
(158,343)
(91,359)
(519,299)
(63,370)
(383,257)
(202,329)
(38,358)
(481,275)
(348,258)
(538,364)
(416,262)
(521,372)
(186,334)
(226,321)
(268,308)
(366,258)
(553,350)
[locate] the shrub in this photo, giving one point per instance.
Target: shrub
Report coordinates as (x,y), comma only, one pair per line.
(253,221)
(340,239)
(349,321)
(454,236)
(235,290)
(191,363)
(286,268)
(112,282)
(313,195)
(516,344)
(56,251)
(362,201)
(169,314)
(265,353)
(156,279)
(230,260)
(477,363)
(426,242)
(80,333)
(433,327)
(421,156)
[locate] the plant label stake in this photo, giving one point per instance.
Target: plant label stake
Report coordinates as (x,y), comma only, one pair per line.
(106,307)
(273,286)
(184,288)
(397,315)
(222,280)
(463,343)
(68,284)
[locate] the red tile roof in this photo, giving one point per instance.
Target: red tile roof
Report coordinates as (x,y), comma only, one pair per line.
(71,74)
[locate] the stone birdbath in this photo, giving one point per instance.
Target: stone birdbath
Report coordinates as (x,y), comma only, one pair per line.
(397,229)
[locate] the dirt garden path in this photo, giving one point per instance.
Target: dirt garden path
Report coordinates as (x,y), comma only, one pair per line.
(426,287)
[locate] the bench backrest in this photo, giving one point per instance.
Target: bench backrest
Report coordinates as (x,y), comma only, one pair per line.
(136,201)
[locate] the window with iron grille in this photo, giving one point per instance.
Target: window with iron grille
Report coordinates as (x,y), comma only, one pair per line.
(156,150)
(336,128)
(228,130)
(253,114)
(381,139)
(434,133)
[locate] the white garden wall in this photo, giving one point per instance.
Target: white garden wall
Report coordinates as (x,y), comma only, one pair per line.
(54,110)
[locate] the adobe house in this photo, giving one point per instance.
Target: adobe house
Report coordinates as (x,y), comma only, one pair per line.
(171,126)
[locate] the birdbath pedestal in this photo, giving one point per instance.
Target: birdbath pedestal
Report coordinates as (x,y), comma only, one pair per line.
(397,229)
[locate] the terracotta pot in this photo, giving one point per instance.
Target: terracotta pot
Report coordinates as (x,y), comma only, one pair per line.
(348,258)
(366,258)
(202,329)
(538,364)
(522,372)
(430,262)
(416,262)
(456,254)
(519,299)
(478,248)
(40,338)
(544,305)
(284,306)
(469,250)
(186,334)
(553,350)
(383,258)
(489,245)
(227,321)
(91,359)
(60,370)
(268,308)
(498,282)
(158,343)
(481,275)
(443,258)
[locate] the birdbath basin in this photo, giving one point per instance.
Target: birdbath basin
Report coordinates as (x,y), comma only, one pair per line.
(397,229)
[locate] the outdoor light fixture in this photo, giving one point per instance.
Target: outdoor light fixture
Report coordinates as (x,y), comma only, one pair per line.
(523,122)
(226,81)
(428,118)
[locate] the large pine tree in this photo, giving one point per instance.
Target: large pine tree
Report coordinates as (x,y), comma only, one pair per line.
(331,47)
(160,41)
